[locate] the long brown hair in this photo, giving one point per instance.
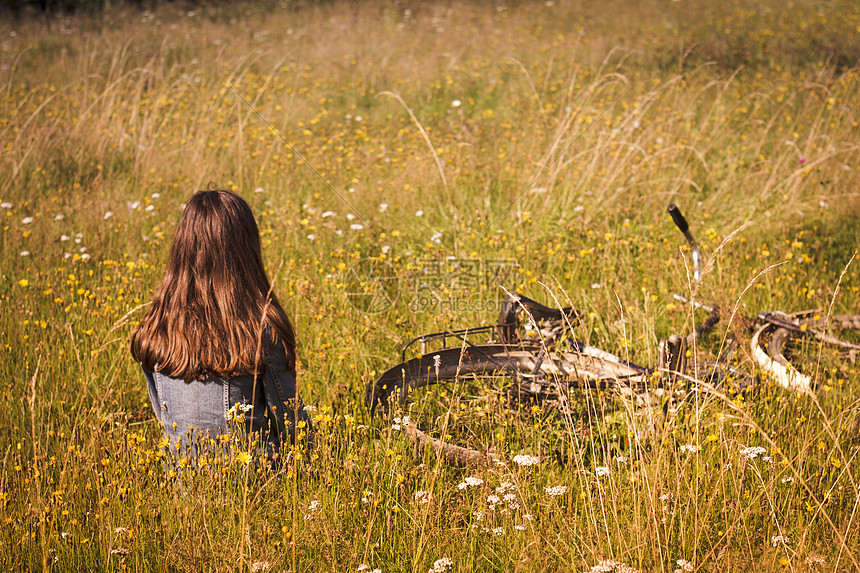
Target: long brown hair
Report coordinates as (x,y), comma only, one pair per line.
(214,303)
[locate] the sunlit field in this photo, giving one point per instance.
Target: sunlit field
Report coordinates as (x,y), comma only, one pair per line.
(458,150)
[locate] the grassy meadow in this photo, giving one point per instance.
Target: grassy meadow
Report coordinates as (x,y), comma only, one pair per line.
(436,144)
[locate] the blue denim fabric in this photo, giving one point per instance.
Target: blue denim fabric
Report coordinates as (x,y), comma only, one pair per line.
(191,411)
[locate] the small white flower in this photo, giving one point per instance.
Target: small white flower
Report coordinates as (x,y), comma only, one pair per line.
(134,205)
(419,213)
(526,460)
(59,217)
(310,408)
(787,479)
(493,499)
(498,531)
(595,285)
(328,214)
(314,505)
(385,249)
(64,237)
(259,190)
(621,459)
(108,215)
(556,490)
(156,195)
(602,471)
(470,482)
(684,566)
(356,227)
(363,567)
(25,253)
(520,527)
(752,452)
(383,207)
(779,540)
(578,209)
(260,566)
(442,565)
(422,497)
(27,220)
(311,237)
(85,257)
(350,217)
(691,448)
(5,205)
(456,103)
(436,237)
(150,208)
(120,530)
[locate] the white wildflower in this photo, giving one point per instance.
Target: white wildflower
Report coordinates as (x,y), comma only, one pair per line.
(442,565)
(311,237)
(788,479)
(150,208)
(422,497)
(356,227)
(27,220)
(602,471)
(684,566)
(24,253)
(350,217)
(260,566)
(498,531)
(520,527)
(108,215)
(691,448)
(526,460)
(556,490)
(383,207)
(611,566)
(777,540)
(59,217)
(505,486)
(456,103)
(752,452)
(419,213)
(5,205)
(328,214)
(470,482)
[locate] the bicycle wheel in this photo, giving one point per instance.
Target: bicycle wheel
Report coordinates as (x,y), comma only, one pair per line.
(535,369)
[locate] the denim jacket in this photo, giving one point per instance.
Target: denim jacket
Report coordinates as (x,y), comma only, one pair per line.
(189,411)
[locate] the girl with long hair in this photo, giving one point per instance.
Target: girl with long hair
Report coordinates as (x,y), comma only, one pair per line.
(216,346)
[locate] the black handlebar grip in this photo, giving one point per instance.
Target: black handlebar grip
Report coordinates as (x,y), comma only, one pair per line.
(679,219)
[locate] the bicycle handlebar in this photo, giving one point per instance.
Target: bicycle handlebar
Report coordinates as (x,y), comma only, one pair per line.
(684,227)
(678,217)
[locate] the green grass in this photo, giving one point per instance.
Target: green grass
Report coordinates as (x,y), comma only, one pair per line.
(577,124)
